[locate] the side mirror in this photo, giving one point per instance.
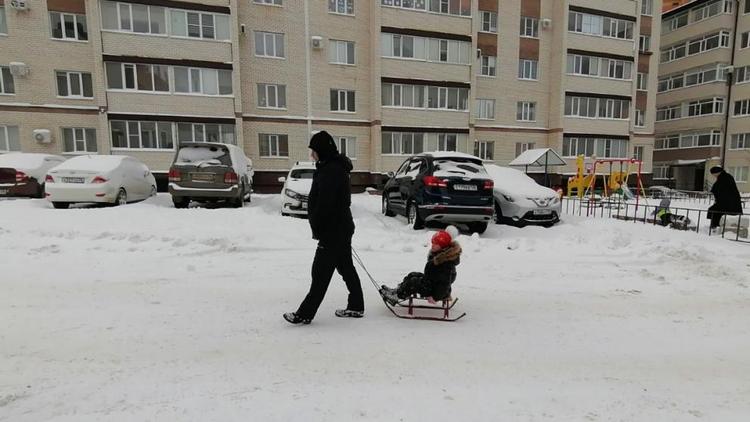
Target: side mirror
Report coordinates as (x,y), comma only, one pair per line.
(282,179)
(391,174)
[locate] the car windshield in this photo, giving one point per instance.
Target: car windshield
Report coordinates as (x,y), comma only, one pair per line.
(459,167)
(204,155)
(302,174)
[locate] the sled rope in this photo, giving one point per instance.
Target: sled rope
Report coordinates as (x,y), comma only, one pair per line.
(362,264)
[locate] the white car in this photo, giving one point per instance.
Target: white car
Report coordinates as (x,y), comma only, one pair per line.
(519,200)
(22,174)
(296,189)
(111,179)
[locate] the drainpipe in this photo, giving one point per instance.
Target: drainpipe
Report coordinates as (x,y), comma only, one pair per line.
(730,81)
(307,68)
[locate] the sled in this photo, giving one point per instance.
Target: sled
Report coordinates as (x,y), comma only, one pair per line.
(409,306)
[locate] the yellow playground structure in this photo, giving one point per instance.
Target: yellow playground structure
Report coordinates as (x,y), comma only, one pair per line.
(616,181)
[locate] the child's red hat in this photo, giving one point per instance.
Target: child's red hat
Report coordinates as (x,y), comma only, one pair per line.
(442,239)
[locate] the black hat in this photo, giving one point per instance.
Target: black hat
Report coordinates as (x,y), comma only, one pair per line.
(716,170)
(322,143)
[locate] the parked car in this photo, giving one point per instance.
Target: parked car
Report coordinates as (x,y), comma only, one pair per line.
(210,172)
(297,188)
(445,187)
(22,174)
(519,200)
(110,179)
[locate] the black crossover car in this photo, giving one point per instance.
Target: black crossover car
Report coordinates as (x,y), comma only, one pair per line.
(444,187)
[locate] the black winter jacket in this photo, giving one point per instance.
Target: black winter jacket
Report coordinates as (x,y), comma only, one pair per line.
(329,211)
(440,270)
(726,194)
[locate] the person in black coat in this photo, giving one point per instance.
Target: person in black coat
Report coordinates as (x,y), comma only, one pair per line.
(439,272)
(726,195)
(331,222)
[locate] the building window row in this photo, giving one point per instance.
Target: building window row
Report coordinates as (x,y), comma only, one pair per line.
(597,108)
(698,14)
(599,67)
(168,79)
(9,140)
(700,76)
(132,134)
(445,7)
(424,96)
(600,147)
(428,49)
(695,46)
(408,143)
(158,20)
(688,140)
(585,23)
(690,109)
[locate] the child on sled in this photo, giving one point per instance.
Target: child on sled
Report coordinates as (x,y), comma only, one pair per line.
(439,272)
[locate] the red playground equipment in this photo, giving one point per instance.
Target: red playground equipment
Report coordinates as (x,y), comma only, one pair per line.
(618,180)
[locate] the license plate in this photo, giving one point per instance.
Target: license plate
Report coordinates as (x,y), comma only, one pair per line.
(73,179)
(465,187)
(542,212)
(202,177)
(3,191)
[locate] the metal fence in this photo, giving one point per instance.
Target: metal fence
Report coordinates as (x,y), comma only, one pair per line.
(732,227)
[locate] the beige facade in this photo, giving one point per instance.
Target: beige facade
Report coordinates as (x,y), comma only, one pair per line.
(690,142)
(160,73)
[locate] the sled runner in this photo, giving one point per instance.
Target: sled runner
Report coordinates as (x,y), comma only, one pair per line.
(409,305)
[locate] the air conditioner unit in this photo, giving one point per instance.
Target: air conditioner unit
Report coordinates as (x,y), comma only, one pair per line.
(42,136)
(546,23)
(317,42)
(19,4)
(18,69)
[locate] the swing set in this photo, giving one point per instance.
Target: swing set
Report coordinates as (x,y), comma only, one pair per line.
(584,184)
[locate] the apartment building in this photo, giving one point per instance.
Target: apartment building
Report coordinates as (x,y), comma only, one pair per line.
(388,78)
(703,99)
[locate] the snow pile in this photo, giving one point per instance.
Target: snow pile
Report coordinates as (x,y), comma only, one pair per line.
(34,165)
(204,154)
(146,312)
(94,163)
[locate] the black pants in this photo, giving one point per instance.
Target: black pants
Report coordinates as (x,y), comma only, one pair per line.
(413,284)
(328,258)
(715,215)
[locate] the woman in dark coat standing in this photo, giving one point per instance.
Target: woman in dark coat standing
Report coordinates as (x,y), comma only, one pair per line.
(330,217)
(727,196)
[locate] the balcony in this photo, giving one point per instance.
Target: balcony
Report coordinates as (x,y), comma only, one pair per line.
(143,45)
(170,104)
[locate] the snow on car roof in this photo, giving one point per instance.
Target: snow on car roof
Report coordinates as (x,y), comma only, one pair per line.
(508,180)
(450,154)
(93,162)
(23,160)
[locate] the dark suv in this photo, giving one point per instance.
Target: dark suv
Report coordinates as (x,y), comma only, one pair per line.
(445,187)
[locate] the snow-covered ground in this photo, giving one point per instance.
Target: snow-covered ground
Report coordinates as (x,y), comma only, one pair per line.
(149,313)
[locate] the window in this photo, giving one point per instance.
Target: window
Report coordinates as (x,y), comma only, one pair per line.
(638,152)
(704,107)
(594,107)
(647,7)
(193,80)
(489,21)
(341,52)
(485,109)
(642,82)
(74,84)
(402,143)
(688,140)
(343,7)
(740,141)
(529,27)
(413,96)
(601,147)
(742,74)
(589,24)
(7,84)
(644,43)
(747,7)
(141,134)
(745,42)
(3,21)
(273,146)
(522,147)
(527,69)
(77,139)
(429,49)
(269,44)
(68,26)
(599,67)
(742,108)
(526,111)
(484,150)
(661,172)
(669,113)
(640,118)
(712,9)
(9,140)
(488,65)
(445,7)
(675,22)
(138,77)
(447,142)
(274,2)
(342,100)
(696,46)
(206,132)
(706,75)
(147,19)
(347,145)
(272,96)
(739,173)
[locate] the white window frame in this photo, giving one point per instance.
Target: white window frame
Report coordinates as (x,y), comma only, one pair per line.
(526,111)
(593,145)
(201,79)
(522,147)
(347,145)
(344,94)
(269,2)
(68,76)
(267,90)
(640,118)
(80,135)
(641,81)
(275,36)
(644,43)
(485,109)
(3,87)
(488,21)
(528,70)
(740,173)
(397,139)
(443,140)
(485,150)
(140,137)
(336,46)
(488,69)
(739,141)
(274,145)
(5,144)
(334,7)
(75,26)
(744,106)
(529,27)
(647,7)
(440,7)
(4,20)
(661,172)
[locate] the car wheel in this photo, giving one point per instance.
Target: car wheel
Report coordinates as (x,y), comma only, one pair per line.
(180,202)
(386,207)
(413,216)
(122,197)
(238,202)
(478,227)
(61,205)
(498,213)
